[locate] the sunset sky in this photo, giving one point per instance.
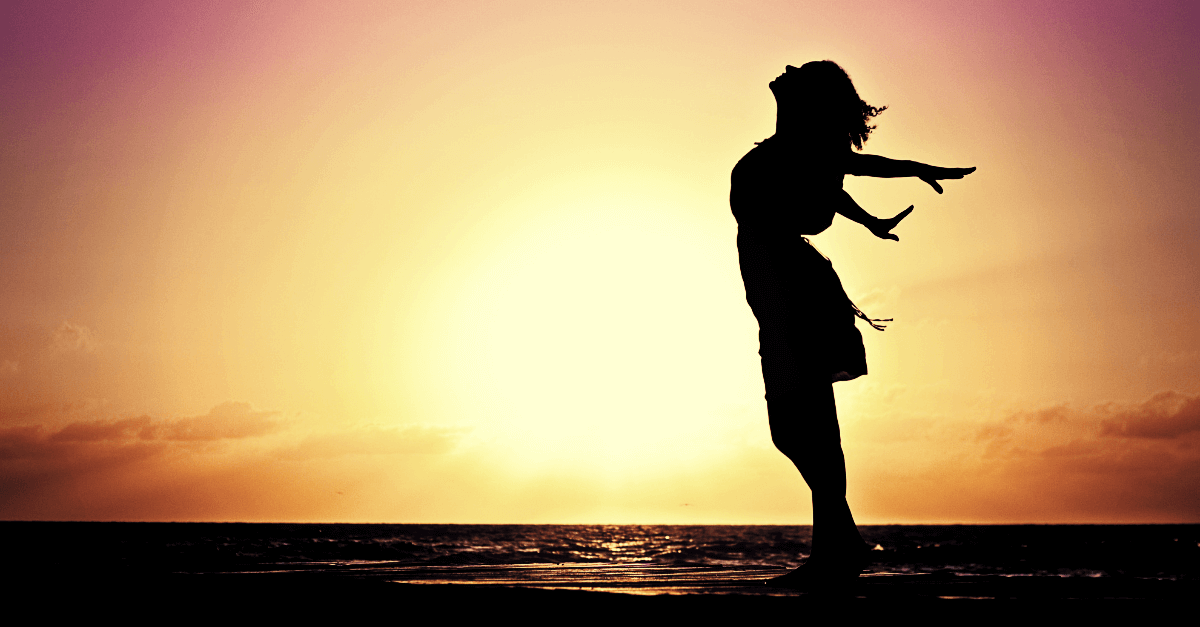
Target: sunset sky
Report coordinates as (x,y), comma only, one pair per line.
(474,261)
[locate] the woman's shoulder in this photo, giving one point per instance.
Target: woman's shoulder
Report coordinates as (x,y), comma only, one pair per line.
(773,154)
(761,149)
(762,155)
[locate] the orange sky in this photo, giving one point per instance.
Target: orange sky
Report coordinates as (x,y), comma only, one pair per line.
(474,262)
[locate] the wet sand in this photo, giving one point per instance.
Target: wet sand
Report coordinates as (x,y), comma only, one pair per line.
(588,593)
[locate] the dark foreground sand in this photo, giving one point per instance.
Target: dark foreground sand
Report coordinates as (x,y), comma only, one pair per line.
(308,597)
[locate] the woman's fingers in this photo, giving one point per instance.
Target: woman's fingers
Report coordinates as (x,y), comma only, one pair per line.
(935,174)
(954,173)
(885,226)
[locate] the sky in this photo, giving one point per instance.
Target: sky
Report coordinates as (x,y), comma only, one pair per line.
(473,262)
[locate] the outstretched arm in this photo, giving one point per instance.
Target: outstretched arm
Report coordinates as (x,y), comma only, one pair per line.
(880,227)
(859,164)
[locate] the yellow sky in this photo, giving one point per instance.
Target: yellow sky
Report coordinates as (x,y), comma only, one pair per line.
(474,262)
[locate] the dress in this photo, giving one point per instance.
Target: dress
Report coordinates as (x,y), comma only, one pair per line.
(780,191)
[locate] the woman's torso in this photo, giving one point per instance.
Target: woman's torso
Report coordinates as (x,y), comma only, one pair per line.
(779,192)
(787,187)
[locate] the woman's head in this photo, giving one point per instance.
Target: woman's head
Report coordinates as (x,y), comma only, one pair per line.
(820,92)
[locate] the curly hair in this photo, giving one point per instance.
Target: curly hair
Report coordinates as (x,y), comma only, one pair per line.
(829,78)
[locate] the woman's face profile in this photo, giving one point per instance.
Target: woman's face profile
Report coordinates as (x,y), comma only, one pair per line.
(790,73)
(788,85)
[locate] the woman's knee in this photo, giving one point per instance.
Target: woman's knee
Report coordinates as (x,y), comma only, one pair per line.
(799,427)
(815,449)
(789,445)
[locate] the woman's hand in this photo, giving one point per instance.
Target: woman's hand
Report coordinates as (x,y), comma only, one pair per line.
(932,174)
(882,227)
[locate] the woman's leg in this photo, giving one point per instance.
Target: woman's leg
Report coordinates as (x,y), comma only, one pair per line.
(804,427)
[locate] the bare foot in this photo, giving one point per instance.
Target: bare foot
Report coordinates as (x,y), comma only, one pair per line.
(828,570)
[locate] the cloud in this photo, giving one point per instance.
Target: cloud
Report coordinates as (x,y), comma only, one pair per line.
(80,441)
(49,469)
(232,463)
(31,454)
(229,420)
(377,441)
(101,430)
(1058,413)
(20,442)
(1055,416)
(45,364)
(72,338)
(1165,415)
(1120,461)
(226,421)
(1113,462)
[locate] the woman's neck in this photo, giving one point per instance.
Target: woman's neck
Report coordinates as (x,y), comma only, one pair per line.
(803,122)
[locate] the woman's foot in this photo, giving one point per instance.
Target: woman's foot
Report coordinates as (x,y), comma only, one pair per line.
(828,570)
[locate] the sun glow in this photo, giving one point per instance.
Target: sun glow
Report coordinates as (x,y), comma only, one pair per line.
(601,329)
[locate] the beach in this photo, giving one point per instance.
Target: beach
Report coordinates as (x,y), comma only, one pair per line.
(309,598)
(588,571)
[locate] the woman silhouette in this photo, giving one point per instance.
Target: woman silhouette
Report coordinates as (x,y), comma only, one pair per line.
(788,186)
